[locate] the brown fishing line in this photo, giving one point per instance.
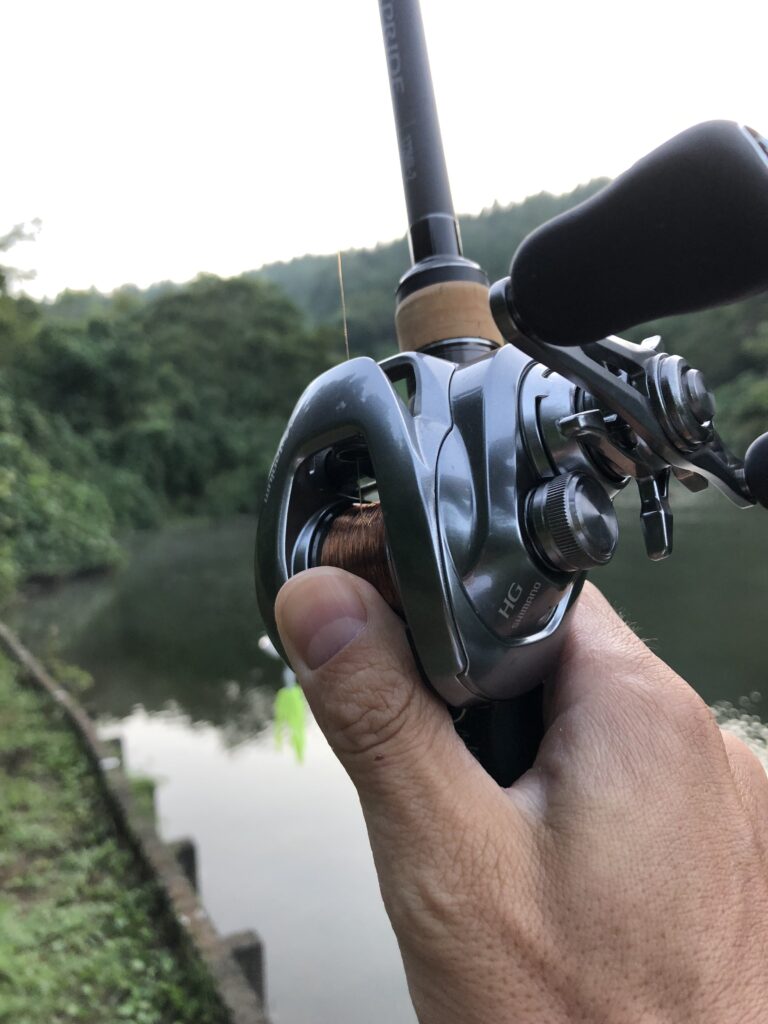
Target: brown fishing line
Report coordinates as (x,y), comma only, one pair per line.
(356,541)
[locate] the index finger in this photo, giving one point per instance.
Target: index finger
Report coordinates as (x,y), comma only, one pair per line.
(615,708)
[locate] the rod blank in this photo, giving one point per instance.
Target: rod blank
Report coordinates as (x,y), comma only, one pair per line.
(432,226)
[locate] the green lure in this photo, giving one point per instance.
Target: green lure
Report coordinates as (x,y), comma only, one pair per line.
(291,716)
(290,709)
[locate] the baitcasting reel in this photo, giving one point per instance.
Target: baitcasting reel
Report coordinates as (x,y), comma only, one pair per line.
(473,482)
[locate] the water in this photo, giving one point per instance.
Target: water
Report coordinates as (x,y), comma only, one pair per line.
(282,850)
(172,644)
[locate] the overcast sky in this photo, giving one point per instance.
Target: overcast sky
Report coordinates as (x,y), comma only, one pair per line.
(155,140)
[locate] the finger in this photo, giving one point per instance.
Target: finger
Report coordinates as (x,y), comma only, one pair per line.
(617,708)
(602,659)
(750,780)
(394,738)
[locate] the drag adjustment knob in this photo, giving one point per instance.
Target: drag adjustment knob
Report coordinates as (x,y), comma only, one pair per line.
(572,522)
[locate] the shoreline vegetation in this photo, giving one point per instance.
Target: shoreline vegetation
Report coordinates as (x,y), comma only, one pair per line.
(121,412)
(84,933)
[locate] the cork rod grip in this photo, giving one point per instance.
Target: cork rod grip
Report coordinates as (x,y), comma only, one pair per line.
(441,312)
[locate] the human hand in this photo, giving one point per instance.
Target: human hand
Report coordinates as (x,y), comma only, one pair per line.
(622,880)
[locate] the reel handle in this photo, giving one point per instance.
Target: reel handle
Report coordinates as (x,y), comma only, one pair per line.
(756,469)
(685,228)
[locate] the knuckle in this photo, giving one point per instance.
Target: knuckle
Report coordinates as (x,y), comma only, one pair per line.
(626,645)
(604,643)
(688,740)
(690,719)
(741,753)
(662,704)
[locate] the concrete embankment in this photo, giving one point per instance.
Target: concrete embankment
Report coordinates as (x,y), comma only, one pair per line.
(98,918)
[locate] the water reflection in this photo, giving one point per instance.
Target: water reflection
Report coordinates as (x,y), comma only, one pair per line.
(282,846)
(177,626)
(282,850)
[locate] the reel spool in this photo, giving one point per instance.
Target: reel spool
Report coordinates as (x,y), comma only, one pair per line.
(356,540)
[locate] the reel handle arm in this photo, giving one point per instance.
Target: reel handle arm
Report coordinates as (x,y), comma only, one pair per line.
(587,367)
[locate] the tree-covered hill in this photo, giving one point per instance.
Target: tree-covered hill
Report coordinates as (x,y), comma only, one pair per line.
(722,342)
(169,406)
(371,275)
(729,344)
(120,410)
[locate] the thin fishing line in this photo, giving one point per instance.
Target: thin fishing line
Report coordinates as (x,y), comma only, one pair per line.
(343,304)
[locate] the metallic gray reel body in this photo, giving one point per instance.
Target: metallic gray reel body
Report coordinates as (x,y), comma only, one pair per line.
(487,564)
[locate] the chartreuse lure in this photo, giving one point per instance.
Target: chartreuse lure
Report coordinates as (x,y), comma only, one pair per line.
(290,707)
(290,713)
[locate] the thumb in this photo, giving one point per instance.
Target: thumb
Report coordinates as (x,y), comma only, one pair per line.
(393,737)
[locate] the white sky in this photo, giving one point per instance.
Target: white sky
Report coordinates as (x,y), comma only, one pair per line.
(159,139)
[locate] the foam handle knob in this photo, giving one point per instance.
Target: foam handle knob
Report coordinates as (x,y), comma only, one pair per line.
(756,469)
(683,229)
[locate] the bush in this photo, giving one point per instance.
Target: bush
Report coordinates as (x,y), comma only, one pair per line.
(51,524)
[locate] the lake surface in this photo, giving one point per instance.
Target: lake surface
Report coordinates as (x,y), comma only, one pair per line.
(172,642)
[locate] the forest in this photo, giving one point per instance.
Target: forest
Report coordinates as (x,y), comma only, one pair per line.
(119,412)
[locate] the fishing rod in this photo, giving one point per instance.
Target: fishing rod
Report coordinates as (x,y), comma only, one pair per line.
(471,477)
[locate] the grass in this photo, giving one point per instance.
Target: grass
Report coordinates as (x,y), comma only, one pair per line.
(84,935)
